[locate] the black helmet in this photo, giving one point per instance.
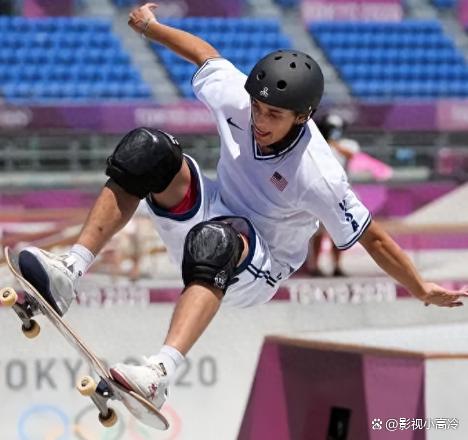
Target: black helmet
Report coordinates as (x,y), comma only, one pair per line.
(331,126)
(288,79)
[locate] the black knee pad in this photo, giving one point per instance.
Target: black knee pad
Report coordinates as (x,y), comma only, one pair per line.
(211,253)
(145,160)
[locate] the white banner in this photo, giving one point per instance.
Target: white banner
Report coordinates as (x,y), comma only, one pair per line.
(208,399)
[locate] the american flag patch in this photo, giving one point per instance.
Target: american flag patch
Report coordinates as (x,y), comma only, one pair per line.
(279,181)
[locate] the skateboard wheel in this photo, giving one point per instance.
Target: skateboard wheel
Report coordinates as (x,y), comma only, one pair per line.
(109,420)
(32,331)
(86,386)
(8,296)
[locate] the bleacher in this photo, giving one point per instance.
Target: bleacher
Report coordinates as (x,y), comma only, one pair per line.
(65,58)
(288,4)
(242,41)
(81,59)
(409,59)
(444,4)
(125,3)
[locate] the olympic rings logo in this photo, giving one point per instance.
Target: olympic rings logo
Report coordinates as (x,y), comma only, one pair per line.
(62,427)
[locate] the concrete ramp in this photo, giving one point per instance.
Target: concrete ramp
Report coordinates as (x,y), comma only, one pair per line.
(406,383)
(452,208)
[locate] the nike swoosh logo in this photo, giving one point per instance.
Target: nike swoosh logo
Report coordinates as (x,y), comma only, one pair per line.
(230,122)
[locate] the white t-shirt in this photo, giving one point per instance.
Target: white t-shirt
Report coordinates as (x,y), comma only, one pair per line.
(285,196)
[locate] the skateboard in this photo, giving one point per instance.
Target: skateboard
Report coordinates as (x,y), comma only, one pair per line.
(30,304)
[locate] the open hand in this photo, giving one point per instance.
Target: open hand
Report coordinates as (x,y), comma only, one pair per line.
(140,17)
(442,297)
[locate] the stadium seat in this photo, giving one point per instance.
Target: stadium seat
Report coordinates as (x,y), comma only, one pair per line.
(288,4)
(65,58)
(444,4)
(385,60)
(242,41)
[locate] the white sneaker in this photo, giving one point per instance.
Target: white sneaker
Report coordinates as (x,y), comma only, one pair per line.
(149,380)
(52,275)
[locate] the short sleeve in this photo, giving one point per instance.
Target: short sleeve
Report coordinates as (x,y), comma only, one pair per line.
(218,83)
(335,204)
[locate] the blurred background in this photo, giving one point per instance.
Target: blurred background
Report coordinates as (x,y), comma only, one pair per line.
(74,78)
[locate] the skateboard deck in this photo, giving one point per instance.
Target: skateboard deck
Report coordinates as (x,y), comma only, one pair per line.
(101,391)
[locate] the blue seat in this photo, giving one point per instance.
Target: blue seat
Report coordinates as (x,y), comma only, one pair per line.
(125,3)
(45,25)
(444,4)
(71,40)
(8,56)
(82,89)
(23,89)
(186,90)
(288,4)
(65,56)
(97,26)
(242,41)
(142,91)
(54,58)
(14,40)
(231,25)
(58,73)
(410,59)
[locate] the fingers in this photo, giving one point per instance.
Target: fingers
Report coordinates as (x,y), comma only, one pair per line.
(446,301)
(453,302)
(132,17)
(135,21)
(139,15)
(461,292)
(133,24)
(450,304)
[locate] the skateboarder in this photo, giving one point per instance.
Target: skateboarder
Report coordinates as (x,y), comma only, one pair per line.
(235,239)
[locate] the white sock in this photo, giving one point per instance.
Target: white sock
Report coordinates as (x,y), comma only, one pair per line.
(170,357)
(83,259)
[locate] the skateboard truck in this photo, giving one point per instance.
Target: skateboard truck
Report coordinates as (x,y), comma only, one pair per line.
(99,394)
(25,311)
(33,304)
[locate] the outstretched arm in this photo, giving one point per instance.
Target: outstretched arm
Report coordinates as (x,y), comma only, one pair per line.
(391,258)
(185,44)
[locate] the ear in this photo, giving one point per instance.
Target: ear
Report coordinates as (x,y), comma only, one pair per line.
(301,119)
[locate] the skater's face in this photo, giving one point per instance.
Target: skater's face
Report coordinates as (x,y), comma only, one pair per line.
(271,124)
